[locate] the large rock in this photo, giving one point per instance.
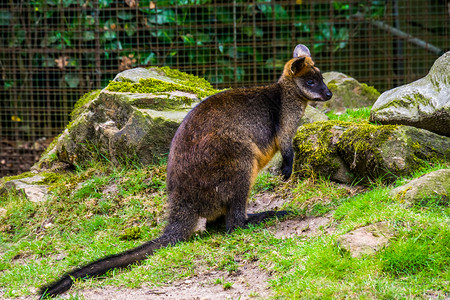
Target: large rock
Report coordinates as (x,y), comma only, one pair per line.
(312,115)
(432,188)
(347,93)
(424,103)
(347,151)
(133,119)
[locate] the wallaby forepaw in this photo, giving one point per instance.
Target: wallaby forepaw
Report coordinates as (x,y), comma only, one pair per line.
(286,172)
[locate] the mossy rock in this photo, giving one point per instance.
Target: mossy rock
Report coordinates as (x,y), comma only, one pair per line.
(34,186)
(424,103)
(430,189)
(346,151)
(347,93)
(312,115)
(133,119)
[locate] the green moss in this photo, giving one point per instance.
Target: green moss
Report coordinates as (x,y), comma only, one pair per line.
(15,177)
(321,145)
(407,101)
(332,85)
(165,102)
(370,91)
(184,82)
(365,136)
(86,98)
(190,80)
(132,233)
(49,178)
(315,152)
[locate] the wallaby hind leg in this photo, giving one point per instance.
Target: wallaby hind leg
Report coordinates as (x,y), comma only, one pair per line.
(262,216)
(181,225)
(236,215)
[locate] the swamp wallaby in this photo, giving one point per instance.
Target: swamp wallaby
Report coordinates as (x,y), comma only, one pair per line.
(216,154)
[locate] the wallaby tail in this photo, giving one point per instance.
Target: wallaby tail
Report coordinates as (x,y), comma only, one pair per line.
(101,266)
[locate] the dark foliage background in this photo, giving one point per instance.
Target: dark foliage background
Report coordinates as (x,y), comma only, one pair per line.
(53,51)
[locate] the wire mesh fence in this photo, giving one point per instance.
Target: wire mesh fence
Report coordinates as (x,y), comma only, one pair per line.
(54,51)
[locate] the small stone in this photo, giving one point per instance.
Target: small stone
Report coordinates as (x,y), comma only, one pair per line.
(366,240)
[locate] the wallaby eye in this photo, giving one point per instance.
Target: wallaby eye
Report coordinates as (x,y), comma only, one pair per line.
(310,82)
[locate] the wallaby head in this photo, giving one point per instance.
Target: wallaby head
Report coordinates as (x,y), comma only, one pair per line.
(305,76)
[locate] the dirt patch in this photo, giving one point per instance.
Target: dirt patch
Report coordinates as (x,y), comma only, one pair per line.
(310,226)
(249,281)
(265,201)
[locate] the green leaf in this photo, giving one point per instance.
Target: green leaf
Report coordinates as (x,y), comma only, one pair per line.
(104,3)
(274,63)
(266,9)
(188,39)
(109,35)
(123,15)
(202,38)
(88,36)
(72,80)
(52,2)
(8,84)
(48,62)
(253,31)
(148,59)
(67,3)
(5,18)
(164,35)
(280,13)
(302,27)
(19,37)
(89,20)
(162,17)
(130,29)
(224,15)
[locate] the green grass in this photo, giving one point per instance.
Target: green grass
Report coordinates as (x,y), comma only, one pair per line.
(351,115)
(81,222)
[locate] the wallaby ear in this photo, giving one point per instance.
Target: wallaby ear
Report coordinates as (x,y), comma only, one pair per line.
(297,65)
(301,50)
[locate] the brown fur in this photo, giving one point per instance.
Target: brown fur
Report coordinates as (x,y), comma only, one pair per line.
(215,156)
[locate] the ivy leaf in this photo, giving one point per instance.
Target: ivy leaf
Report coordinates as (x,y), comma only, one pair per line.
(5,18)
(224,15)
(90,20)
(72,80)
(123,15)
(130,29)
(188,39)
(67,3)
(19,37)
(162,17)
(149,59)
(88,36)
(105,3)
(253,31)
(109,35)
(164,35)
